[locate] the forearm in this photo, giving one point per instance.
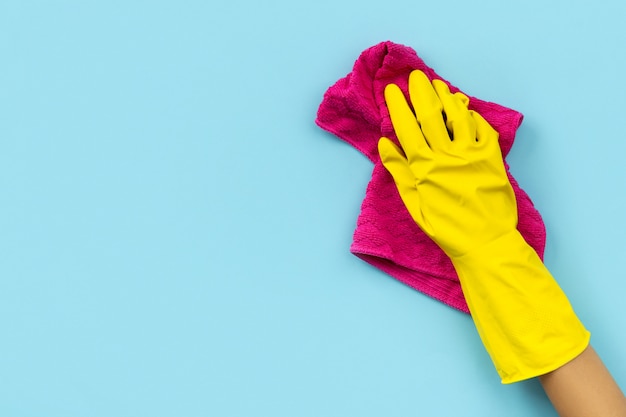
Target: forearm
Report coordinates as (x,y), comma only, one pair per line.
(584,388)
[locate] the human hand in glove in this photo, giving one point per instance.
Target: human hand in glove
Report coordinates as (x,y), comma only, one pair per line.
(450,174)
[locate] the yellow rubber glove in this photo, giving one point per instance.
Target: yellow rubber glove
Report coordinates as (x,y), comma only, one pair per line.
(451,177)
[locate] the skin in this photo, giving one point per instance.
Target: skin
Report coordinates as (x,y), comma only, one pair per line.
(584,388)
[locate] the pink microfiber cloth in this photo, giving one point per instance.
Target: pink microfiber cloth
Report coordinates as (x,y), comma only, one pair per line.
(386,236)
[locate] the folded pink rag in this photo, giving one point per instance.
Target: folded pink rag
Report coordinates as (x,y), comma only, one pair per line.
(386,236)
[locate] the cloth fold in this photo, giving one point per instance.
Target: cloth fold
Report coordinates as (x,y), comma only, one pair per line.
(386,236)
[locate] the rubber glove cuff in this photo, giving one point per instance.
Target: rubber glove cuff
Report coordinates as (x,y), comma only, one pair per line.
(524,319)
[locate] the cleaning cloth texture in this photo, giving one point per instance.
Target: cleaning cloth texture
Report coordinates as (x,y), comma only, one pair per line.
(386,236)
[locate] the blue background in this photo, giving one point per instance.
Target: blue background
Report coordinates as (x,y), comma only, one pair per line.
(174,228)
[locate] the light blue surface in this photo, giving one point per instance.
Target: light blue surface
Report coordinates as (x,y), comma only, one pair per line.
(174,228)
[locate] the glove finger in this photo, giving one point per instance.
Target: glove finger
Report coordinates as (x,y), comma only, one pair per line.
(428,111)
(459,122)
(405,125)
(485,134)
(398,166)
(463,98)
